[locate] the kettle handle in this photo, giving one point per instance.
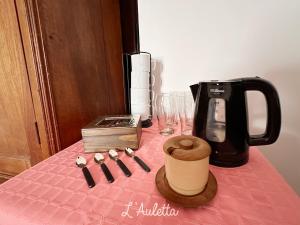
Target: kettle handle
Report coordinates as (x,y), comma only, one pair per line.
(273,111)
(194,89)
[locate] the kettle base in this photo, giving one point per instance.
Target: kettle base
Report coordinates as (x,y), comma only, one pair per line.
(229,163)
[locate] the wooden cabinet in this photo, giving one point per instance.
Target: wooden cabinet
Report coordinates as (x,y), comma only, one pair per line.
(60,67)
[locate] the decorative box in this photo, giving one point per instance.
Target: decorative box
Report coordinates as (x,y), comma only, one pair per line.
(107,132)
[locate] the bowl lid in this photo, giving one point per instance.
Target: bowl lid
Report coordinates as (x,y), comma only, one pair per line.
(187,148)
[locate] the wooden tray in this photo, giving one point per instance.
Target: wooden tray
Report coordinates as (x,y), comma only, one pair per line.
(186,201)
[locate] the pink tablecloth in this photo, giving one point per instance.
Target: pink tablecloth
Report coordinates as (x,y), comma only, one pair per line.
(54,192)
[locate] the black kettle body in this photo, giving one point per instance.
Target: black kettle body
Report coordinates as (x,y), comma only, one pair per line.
(221,118)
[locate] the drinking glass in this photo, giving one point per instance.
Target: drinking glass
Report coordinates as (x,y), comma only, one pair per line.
(165,112)
(186,107)
(175,104)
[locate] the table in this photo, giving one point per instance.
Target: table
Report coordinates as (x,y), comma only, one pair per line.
(54,192)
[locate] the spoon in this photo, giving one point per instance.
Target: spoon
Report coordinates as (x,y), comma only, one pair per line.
(142,164)
(99,158)
(81,163)
(114,156)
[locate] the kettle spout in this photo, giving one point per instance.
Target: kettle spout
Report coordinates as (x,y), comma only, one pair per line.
(194,89)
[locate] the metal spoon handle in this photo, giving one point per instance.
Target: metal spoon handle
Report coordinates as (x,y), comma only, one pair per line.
(107,173)
(88,177)
(141,163)
(124,168)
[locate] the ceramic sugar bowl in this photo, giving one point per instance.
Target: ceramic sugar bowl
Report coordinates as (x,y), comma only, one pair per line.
(186,163)
(185,178)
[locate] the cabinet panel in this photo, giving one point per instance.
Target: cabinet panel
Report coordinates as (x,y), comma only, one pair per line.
(82,49)
(18,143)
(13,166)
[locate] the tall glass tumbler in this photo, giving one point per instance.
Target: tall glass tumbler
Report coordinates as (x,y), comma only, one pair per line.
(175,104)
(186,107)
(165,112)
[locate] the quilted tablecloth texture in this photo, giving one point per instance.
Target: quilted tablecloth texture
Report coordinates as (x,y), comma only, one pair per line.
(55,192)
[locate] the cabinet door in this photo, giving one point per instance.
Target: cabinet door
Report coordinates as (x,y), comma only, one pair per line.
(80,50)
(19,146)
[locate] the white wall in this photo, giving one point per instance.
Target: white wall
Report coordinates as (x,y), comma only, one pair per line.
(196,40)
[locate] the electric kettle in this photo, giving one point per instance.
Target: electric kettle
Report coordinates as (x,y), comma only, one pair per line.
(221,118)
